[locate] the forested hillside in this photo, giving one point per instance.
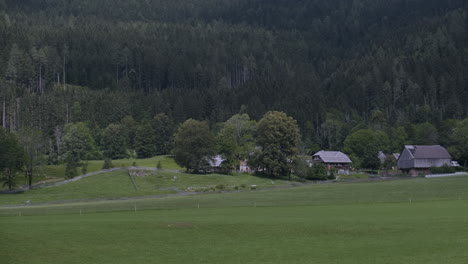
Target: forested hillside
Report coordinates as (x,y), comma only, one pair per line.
(333,65)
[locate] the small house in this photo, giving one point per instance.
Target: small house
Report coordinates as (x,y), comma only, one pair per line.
(214,164)
(333,159)
(417,159)
(382,157)
(244,167)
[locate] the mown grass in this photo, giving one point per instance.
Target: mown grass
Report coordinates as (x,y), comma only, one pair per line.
(405,191)
(405,221)
(424,232)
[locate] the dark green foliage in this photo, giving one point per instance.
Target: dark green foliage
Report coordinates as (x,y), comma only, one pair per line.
(459,141)
(164,128)
(78,146)
(113,141)
(278,138)
(334,66)
(236,140)
(159,165)
(317,172)
(107,164)
(12,158)
(363,146)
(194,144)
(443,170)
(34,143)
(71,167)
(145,141)
(370,161)
(301,168)
(389,162)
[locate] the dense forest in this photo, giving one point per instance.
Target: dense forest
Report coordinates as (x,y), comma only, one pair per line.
(335,66)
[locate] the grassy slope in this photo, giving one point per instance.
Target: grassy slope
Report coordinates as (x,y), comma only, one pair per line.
(95,165)
(426,232)
(414,190)
(58,171)
(118,184)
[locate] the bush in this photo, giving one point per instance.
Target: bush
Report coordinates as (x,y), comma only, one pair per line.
(220,187)
(373,172)
(301,167)
(317,172)
(442,170)
(107,164)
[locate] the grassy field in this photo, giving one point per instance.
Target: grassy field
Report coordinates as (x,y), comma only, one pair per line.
(425,232)
(404,221)
(57,172)
(118,184)
(167,163)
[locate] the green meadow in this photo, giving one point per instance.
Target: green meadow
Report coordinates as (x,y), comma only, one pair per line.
(423,232)
(57,172)
(402,221)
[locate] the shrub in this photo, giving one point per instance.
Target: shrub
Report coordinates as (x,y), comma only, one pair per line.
(373,172)
(107,164)
(317,172)
(220,187)
(442,170)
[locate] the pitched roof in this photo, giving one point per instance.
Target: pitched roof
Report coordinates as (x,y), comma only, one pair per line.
(216,161)
(428,152)
(333,157)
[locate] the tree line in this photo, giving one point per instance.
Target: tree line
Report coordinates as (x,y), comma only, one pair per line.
(273,145)
(336,67)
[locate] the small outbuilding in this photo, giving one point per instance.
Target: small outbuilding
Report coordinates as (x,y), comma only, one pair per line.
(333,159)
(418,159)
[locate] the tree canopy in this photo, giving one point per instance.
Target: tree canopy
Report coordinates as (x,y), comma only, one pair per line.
(278,138)
(194,145)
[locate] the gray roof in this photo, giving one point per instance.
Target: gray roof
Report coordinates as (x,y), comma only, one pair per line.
(216,161)
(428,152)
(332,157)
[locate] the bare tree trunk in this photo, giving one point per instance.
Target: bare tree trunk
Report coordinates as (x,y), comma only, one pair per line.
(4,113)
(18,113)
(10,179)
(64,74)
(117,74)
(58,140)
(40,78)
(68,114)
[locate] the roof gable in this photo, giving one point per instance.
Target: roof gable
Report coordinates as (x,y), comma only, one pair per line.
(332,157)
(428,152)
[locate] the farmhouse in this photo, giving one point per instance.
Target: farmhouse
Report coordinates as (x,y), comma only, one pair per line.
(416,159)
(333,159)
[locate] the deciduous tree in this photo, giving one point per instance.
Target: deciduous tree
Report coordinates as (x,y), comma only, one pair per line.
(278,137)
(194,144)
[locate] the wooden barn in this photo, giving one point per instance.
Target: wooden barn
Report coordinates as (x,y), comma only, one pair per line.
(416,159)
(333,159)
